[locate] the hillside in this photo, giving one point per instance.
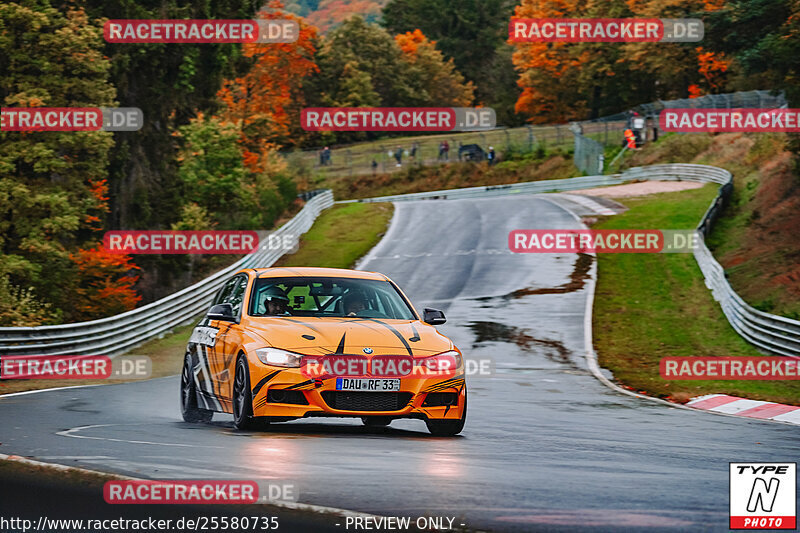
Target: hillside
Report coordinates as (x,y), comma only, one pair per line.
(756,240)
(325,14)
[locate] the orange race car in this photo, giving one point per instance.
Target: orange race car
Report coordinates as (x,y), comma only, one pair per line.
(286,343)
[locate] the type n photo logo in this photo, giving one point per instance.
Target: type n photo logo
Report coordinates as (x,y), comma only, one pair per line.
(763,495)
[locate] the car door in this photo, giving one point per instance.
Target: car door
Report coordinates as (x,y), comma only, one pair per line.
(229,340)
(204,343)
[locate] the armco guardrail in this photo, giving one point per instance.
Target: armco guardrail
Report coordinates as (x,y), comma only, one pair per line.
(119,333)
(772,333)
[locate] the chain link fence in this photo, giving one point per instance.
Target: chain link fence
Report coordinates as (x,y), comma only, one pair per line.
(382,156)
(589,154)
(745,99)
(589,151)
(390,155)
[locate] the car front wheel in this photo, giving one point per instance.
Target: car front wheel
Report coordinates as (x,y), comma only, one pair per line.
(242,397)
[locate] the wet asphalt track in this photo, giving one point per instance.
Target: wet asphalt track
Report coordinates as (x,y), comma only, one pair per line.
(546,446)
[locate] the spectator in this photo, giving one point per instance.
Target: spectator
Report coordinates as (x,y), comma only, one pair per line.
(414,152)
(398,155)
(446,147)
(374,167)
(491,156)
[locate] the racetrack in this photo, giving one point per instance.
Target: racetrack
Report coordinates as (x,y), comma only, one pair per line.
(546,445)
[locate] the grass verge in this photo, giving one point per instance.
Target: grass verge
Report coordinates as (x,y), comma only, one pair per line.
(338,238)
(649,306)
(756,240)
(341,235)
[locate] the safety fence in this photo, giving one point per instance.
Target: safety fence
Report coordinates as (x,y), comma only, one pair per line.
(588,138)
(390,155)
(589,154)
(742,99)
(772,333)
(120,333)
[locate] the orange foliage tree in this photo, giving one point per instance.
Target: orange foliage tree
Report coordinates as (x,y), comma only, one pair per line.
(106,283)
(436,80)
(549,71)
(265,103)
(564,81)
(682,69)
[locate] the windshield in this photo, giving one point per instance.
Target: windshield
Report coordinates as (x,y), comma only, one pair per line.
(328,297)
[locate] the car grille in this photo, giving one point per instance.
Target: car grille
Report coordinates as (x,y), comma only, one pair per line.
(366,401)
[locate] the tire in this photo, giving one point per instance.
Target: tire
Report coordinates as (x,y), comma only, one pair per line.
(243,397)
(448,428)
(189,409)
(376,421)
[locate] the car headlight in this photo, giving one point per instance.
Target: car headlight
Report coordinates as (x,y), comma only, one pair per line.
(276,357)
(445,362)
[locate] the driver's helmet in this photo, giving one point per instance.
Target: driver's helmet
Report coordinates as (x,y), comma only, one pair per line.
(353,297)
(275,294)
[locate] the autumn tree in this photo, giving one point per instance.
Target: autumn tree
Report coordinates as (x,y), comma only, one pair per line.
(437,80)
(473,34)
(604,78)
(764,38)
(51,183)
(549,72)
(676,70)
(265,102)
(359,50)
(106,284)
(220,190)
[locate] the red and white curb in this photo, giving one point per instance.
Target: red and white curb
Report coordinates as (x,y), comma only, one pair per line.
(732,405)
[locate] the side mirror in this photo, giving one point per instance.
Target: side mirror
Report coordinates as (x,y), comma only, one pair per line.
(434,317)
(223,312)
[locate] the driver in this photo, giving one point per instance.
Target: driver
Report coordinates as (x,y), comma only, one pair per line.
(275,301)
(353,303)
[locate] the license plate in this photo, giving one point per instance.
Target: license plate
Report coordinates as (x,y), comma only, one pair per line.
(367,384)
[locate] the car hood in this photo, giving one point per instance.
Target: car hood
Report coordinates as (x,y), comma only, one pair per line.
(320,336)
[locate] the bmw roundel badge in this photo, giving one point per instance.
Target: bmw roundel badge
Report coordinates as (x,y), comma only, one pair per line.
(367,351)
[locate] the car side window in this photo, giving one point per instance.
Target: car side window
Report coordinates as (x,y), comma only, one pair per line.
(236,295)
(222,295)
